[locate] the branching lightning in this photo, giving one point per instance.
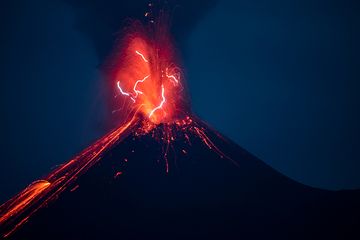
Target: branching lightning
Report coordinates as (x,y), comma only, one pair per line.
(145,75)
(137,82)
(151,110)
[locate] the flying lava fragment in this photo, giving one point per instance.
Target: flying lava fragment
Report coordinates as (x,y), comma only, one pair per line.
(148,86)
(146,76)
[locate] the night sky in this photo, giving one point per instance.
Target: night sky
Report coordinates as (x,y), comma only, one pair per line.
(281,78)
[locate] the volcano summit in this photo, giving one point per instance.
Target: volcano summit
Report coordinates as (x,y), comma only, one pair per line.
(127,194)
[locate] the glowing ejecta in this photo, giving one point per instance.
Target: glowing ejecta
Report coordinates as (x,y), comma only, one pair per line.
(137,92)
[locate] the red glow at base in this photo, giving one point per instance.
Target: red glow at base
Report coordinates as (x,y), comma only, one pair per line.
(145,75)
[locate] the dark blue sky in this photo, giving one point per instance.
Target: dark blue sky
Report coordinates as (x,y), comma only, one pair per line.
(278,77)
(49,89)
(281,78)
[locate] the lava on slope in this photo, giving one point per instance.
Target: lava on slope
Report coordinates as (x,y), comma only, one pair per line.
(41,193)
(129,195)
(149,90)
(171,176)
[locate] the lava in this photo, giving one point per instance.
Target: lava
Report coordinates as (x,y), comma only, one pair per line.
(24,198)
(148,81)
(147,75)
(15,212)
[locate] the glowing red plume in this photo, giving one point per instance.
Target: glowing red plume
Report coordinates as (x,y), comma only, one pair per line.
(146,76)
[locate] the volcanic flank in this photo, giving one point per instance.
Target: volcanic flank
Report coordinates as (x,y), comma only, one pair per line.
(127,194)
(165,174)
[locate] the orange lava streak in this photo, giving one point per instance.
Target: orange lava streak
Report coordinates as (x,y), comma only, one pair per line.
(144,56)
(38,194)
(20,201)
(16,227)
(184,128)
(15,212)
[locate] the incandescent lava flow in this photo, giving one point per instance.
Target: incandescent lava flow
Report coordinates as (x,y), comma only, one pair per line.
(163,173)
(149,92)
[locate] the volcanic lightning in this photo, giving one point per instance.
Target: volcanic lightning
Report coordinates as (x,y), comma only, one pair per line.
(144,70)
(121,91)
(161,104)
(137,82)
(139,53)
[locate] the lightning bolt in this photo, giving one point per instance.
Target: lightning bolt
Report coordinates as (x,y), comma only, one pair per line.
(171,76)
(121,91)
(162,102)
(139,81)
(141,55)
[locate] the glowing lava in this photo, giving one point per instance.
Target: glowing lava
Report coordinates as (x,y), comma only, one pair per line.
(15,212)
(146,74)
(150,99)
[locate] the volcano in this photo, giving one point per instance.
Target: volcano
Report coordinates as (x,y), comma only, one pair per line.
(205,195)
(163,173)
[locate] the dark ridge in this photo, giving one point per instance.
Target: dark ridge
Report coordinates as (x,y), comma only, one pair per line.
(204,196)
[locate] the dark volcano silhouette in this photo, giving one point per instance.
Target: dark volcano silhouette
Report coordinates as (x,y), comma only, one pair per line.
(129,195)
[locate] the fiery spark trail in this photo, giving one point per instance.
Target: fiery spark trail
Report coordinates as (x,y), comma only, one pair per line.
(42,192)
(26,196)
(173,76)
(180,129)
(146,66)
(155,71)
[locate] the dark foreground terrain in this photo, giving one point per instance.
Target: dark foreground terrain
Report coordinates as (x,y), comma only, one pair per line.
(128,195)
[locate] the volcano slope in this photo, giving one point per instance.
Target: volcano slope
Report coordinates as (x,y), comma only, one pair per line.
(206,194)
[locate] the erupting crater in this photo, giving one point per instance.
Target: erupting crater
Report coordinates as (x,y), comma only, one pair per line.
(149,100)
(146,76)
